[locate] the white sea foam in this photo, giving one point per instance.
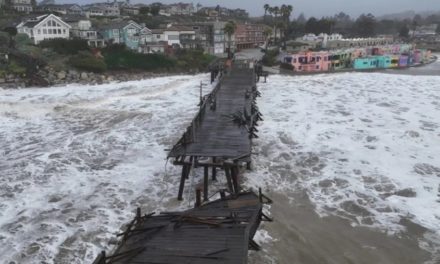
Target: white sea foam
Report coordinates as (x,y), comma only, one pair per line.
(75,161)
(365,146)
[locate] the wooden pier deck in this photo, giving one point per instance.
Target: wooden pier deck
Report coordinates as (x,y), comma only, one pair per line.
(220,136)
(221,231)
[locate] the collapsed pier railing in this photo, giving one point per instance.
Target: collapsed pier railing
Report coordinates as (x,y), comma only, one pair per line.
(221,231)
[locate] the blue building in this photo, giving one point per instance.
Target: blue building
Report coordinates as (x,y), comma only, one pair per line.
(366,63)
(129,33)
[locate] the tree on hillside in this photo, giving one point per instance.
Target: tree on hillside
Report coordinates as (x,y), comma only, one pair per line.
(365,26)
(311,26)
(286,12)
(229,29)
(296,29)
(266,9)
(155,8)
(267,34)
(145,10)
(404,31)
(301,19)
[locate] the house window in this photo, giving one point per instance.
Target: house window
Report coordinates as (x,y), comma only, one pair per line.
(158,36)
(300,68)
(44,31)
(59,31)
(317,67)
(64,31)
(39,31)
(50,31)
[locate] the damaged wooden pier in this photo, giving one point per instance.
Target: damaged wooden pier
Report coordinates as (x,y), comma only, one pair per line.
(220,136)
(221,231)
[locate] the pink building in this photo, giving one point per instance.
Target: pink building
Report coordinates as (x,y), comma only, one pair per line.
(249,36)
(309,61)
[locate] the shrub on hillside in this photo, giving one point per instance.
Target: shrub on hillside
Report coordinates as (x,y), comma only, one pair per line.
(193,59)
(65,46)
(118,59)
(270,58)
(86,61)
(15,68)
(22,39)
(4,39)
(286,66)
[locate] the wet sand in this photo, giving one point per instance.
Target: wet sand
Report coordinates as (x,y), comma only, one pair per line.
(303,237)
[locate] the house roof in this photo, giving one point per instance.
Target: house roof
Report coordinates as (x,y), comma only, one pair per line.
(157,31)
(74,18)
(66,6)
(33,22)
(179,28)
(119,25)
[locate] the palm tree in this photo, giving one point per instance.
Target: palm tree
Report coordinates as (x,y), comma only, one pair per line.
(282,28)
(286,11)
(275,11)
(229,29)
(289,12)
(266,8)
(267,34)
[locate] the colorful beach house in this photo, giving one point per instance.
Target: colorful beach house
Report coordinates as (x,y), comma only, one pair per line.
(366,63)
(309,61)
(340,59)
(426,56)
(394,63)
(384,62)
(417,56)
(404,61)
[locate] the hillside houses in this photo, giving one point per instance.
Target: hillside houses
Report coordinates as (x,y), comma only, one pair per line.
(103,9)
(115,25)
(180,9)
(44,27)
(24,6)
(66,9)
(81,27)
(129,33)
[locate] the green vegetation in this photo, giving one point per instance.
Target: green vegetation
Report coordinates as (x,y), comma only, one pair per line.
(65,46)
(16,68)
(270,58)
(63,54)
(230,30)
(193,59)
(84,60)
(119,58)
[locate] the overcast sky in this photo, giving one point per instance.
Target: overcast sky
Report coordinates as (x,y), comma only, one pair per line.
(311,7)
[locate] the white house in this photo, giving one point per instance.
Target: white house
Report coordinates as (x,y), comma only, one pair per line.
(22,5)
(81,27)
(173,35)
(44,27)
(71,9)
